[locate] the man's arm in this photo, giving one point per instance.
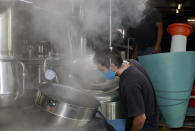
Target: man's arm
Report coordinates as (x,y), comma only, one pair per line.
(159,26)
(135,103)
(138,122)
(135,52)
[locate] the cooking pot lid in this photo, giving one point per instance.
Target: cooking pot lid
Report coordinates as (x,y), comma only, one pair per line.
(69,95)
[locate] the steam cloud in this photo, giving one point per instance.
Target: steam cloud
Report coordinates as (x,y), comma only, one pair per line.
(67,22)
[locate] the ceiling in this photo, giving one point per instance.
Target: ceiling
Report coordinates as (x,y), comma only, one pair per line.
(168,8)
(168,11)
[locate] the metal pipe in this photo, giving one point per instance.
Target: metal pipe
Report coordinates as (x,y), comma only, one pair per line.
(110,24)
(128,47)
(24,72)
(70,45)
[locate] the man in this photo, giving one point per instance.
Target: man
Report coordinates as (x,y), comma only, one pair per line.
(148,34)
(137,93)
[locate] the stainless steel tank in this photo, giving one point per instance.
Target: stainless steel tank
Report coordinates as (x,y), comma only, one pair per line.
(11,87)
(12,74)
(6,47)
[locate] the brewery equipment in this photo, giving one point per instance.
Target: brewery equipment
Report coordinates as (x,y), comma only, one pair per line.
(61,111)
(67,102)
(12,70)
(66,109)
(11,87)
(88,80)
(44,50)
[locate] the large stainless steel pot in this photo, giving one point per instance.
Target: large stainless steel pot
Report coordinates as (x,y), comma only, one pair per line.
(35,119)
(110,104)
(89,80)
(109,99)
(67,102)
(32,118)
(107,93)
(29,117)
(71,106)
(11,81)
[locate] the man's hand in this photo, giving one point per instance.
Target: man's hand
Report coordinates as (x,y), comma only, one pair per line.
(156,50)
(138,122)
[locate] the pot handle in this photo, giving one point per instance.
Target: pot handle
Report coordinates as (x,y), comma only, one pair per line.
(101,116)
(24,72)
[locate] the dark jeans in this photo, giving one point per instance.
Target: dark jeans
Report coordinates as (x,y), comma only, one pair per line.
(147,51)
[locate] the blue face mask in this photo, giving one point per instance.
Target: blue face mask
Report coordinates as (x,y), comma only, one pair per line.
(141,7)
(109,75)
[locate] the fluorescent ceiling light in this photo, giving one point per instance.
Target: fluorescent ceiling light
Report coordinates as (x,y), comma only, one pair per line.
(177,11)
(191,20)
(179,6)
(26,1)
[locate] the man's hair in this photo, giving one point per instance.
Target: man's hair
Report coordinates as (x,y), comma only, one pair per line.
(107,56)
